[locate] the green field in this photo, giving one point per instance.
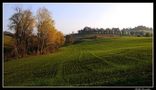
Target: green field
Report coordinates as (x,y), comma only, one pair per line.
(122,61)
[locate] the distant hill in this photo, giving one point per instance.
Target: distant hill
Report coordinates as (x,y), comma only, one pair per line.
(8,33)
(93,33)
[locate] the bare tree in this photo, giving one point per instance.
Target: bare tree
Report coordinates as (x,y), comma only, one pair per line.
(22,22)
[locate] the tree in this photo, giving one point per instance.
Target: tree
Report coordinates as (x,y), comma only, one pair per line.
(48,36)
(108,31)
(148,35)
(22,22)
(59,39)
(44,25)
(32,47)
(69,39)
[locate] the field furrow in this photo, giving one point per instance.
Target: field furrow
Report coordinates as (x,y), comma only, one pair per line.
(123,61)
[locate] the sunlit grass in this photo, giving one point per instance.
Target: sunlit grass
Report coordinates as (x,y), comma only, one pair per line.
(125,61)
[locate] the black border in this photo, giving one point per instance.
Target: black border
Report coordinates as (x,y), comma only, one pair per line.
(81,1)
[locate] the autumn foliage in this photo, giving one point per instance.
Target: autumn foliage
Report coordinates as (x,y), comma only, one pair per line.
(46,39)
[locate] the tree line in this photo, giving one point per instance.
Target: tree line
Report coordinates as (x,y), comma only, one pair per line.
(32,34)
(92,33)
(136,31)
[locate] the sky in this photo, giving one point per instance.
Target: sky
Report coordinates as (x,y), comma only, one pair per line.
(71,17)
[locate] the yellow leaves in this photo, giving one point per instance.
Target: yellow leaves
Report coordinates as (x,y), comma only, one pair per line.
(46,39)
(59,38)
(55,37)
(46,31)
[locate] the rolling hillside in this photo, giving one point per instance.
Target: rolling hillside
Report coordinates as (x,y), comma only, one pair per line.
(119,61)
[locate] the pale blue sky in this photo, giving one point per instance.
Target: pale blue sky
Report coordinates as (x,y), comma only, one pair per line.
(70,17)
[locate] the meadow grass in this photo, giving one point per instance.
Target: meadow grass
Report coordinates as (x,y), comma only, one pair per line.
(121,61)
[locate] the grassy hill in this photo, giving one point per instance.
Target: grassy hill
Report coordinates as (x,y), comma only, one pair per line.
(8,46)
(120,61)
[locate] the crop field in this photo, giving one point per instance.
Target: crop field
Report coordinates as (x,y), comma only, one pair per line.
(120,61)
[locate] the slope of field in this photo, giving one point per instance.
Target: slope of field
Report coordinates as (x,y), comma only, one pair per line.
(122,61)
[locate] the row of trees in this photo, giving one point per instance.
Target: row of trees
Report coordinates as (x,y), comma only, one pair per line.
(46,38)
(139,30)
